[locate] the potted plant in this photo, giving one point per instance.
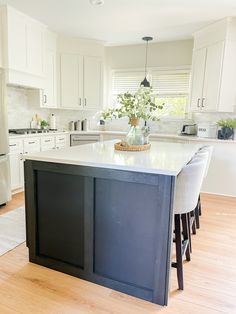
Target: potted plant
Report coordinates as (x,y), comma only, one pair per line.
(140,105)
(44,124)
(227,128)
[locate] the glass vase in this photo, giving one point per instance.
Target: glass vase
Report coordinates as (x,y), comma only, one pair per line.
(135,135)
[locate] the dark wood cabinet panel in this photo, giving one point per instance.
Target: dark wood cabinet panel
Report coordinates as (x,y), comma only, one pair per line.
(60,217)
(125,224)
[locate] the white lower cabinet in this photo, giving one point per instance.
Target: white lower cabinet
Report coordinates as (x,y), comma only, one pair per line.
(20,146)
(31,145)
(62,141)
(16,163)
(47,143)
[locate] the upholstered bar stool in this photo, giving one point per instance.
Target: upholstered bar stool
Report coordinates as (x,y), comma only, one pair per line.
(186,198)
(198,209)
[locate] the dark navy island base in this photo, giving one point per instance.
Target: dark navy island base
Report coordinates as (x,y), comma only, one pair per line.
(110,227)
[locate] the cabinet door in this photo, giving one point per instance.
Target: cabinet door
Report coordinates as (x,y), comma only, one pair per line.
(35,48)
(199,60)
(212,78)
(71,81)
(16,163)
(15,169)
(31,145)
(17,41)
(47,143)
(50,99)
(92,82)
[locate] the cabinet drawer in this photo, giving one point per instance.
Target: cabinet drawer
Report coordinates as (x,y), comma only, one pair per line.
(60,139)
(47,140)
(31,145)
(47,143)
(15,145)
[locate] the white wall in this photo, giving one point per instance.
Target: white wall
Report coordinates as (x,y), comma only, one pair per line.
(164,54)
(81,46)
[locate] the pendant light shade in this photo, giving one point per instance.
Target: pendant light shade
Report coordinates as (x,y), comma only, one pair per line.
(145,82)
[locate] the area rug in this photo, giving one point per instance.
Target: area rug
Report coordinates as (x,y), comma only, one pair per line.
(12,229)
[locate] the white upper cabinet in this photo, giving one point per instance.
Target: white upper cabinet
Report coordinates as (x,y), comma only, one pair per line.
(24,48)
(50,88)
(71,81)
(212,79)
(35,47)
(81,82)
(214,68)
(198,73)
(92,82)
(17,39)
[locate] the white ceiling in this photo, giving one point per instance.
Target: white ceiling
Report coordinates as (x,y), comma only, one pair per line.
(127,21)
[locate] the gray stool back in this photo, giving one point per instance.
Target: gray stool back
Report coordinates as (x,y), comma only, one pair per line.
(189,183)
(209,150)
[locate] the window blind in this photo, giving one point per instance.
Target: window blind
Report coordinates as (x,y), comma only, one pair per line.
(170,83)
(123,82)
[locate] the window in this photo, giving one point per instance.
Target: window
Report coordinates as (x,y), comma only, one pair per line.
(123,82)
(170,87)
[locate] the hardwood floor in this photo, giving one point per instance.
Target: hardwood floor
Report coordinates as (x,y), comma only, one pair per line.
(210,277)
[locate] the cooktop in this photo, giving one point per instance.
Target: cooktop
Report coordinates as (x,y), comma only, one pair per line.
(28,131)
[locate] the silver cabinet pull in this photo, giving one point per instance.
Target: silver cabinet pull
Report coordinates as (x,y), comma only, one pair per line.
(203,99)
(45,99)
(80,101)
(85,101)
(198,102)
(11,145)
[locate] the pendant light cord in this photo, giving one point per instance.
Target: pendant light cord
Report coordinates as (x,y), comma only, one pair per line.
(146,59)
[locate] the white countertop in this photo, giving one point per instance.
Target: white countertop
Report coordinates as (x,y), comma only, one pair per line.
(162,158)
(13,136)
(120,133)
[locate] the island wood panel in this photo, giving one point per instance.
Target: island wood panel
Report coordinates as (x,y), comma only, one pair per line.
(60,219)
(119,225)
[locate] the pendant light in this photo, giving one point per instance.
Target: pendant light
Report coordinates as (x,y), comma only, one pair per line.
(145,82)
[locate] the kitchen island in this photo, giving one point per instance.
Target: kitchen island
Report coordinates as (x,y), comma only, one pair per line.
(104,215)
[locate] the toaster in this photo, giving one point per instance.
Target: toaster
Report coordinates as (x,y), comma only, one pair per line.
(189,129)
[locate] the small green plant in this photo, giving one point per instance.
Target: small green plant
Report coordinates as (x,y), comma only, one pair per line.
(44,124)
(227,123)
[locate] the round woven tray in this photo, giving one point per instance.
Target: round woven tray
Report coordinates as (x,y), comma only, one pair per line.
(124,146)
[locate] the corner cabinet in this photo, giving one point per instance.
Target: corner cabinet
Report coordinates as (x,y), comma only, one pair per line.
(213,87)
(81,82)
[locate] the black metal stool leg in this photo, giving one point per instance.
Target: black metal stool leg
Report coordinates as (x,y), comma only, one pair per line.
(186,246)
(189,231)
(178,245)
(196,210)
(199,206)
